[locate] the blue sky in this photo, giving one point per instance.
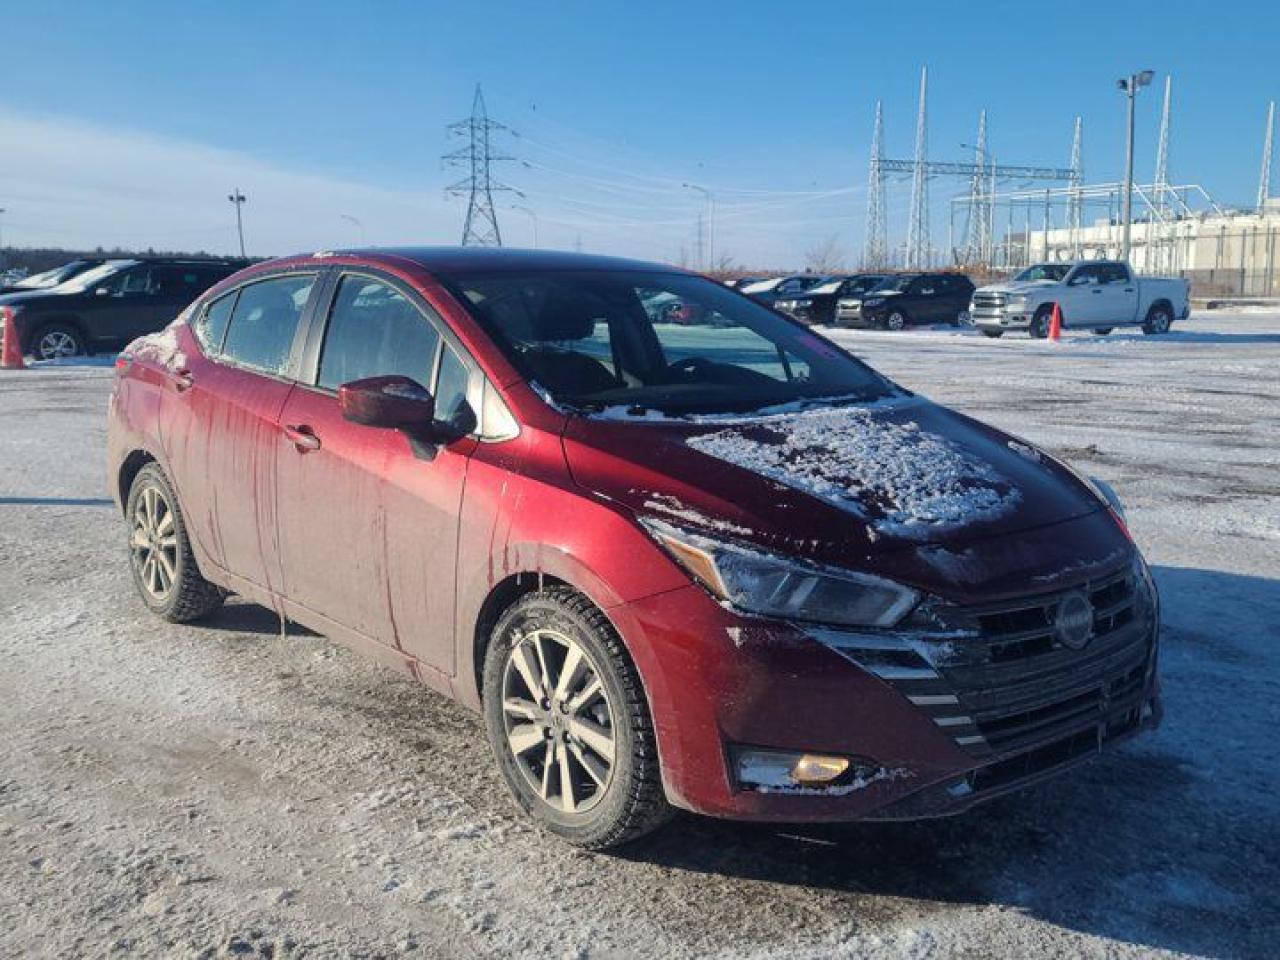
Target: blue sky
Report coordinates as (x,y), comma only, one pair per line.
(133,120)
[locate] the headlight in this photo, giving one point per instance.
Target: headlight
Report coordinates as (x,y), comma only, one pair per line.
(774,586)
(873,302)
(802,303)
(1016,303)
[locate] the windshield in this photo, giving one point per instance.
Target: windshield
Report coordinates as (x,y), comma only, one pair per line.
(99,273)
(827,286)
(1044,271)
(898,283)
(671,343)
(48,278)
(762,286)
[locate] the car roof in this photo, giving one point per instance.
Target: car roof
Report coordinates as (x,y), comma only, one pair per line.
(486,259)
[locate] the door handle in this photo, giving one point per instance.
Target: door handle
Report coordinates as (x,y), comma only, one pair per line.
(182,380)
(1097,291)
(302,437)
(1128,289)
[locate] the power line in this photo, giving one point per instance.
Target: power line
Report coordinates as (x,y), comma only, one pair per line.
(481,226)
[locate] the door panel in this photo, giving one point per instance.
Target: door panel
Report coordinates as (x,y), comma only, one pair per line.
(369,519)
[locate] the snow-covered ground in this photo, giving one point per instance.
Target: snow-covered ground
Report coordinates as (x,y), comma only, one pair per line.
(223,790)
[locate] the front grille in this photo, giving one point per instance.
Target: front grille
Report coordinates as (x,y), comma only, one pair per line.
(990,300)
(1013,684)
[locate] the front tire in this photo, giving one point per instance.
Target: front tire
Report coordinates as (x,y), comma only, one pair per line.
(164,568)
(896,320)
(1101,331)
(994,334)
(1039,328)
(57,341)
(569,724)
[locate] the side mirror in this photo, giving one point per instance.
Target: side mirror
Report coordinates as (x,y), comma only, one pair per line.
(394,402)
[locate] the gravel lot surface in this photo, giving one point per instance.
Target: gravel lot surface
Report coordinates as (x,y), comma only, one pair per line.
(223,790)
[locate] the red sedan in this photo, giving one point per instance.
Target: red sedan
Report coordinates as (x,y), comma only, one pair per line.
(725,567)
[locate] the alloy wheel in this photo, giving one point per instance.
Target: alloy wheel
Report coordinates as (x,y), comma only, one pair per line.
(1160,321)
(153,543)
(896,321)
(56,344)
(558,720)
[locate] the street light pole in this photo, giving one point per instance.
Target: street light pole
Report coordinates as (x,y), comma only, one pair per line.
(238,199)
(356,222)
(532,216)
(711,224)
(1130,86)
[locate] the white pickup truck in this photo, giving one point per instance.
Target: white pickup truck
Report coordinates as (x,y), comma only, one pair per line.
(1097,295)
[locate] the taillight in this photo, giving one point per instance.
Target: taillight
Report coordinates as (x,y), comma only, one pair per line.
(1124,527)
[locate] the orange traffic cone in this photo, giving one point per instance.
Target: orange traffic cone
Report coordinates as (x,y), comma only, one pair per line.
(1055,324)
(11,355)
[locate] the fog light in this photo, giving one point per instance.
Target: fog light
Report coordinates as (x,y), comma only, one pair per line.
(776,768)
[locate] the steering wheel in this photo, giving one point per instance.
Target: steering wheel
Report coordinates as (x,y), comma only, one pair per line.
(692,364)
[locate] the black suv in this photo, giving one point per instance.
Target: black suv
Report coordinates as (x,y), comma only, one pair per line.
(105,307)
(818,303)
(908,298)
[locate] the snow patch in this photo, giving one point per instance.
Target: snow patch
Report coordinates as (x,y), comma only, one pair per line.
(670,506)
(915,479)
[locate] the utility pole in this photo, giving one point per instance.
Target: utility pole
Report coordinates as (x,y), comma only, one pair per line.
(481,226)
(711,225)
(875,253)
(1130,86)
(238,199)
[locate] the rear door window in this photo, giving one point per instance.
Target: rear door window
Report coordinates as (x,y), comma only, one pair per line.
(264,322)
(374,330)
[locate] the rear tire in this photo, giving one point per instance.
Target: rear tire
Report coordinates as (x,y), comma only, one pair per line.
(895,320)
(546,730)
(1101,331)
(1159,319)
(164,568)
(56,341)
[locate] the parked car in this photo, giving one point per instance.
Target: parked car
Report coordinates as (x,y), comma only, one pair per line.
(731,569)
(775,288)
(49,278)
(818,303)
(739,282)
(108,305)
(909,298)
(1097,295)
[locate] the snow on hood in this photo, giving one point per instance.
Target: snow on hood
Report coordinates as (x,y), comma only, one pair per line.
(848,457)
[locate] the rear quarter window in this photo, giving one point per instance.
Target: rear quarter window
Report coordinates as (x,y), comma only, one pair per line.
(211,325)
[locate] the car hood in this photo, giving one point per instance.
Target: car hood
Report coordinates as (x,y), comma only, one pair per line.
(19,297)
(1014,287)
(903,487)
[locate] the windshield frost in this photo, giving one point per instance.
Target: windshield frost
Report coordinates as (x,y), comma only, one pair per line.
(672,343)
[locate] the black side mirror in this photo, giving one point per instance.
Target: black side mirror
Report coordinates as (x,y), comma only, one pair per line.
(393,402)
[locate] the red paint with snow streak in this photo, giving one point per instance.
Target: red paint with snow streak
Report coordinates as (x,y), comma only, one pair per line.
(407,550)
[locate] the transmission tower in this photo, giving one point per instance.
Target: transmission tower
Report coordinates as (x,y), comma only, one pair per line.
(975,246)
(918,223)
(1162,151)
(1075,206)
(1264,179)
(476,155)
(875,254)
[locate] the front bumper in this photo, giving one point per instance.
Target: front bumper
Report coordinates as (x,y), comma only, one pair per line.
(999,318)
(944,735)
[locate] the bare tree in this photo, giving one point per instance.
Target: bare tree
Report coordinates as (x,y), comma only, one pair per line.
(825,257)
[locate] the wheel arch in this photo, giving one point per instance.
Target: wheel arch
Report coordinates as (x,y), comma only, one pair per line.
(129,469)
